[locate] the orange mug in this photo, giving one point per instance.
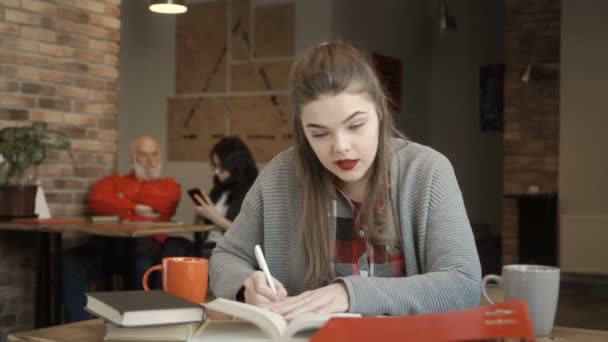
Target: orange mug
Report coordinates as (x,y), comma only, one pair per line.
(185,277)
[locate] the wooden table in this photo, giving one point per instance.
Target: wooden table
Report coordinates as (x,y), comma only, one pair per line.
(94,331)
(48,286)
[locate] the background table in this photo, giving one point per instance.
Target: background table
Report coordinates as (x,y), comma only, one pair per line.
(49,232)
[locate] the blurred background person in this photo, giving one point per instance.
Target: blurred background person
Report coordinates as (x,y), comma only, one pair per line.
(142,195)
(234,171)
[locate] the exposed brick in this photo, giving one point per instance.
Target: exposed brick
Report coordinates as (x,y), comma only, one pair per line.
(21,17)
(13,43)
(75,209)
(38,34)
(107,123)
(8,57)
(57,104)
(80,197)
(102,134)
(39,7)
(96,108)
(58,157)
(74,67)
(105,159)
(8,71)
(531,111)
(58,197)
(18,101)
(90,145)
(99,32)
(74,15)
(56,50)
(46,170)
(112,10)
(37,88)
(8,85)
(8,28)
(73,92)
(71,3)
(27,73)
(11,3)
(94,172)
(90,56)
(104,46)
(13,114)
(102,96)
(64,184)
(84,158)
(112,86)
(92,6)
(46,116)
(73,40)
(73,132)
(104,71)
(111,60)
(105,21)
(80,120)
(90,83)
(36,61)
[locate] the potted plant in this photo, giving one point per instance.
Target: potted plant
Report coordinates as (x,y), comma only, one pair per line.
(20,149)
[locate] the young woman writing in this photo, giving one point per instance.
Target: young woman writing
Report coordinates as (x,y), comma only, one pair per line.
(353,217)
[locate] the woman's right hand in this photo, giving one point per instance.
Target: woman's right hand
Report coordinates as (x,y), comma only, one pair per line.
(258,292)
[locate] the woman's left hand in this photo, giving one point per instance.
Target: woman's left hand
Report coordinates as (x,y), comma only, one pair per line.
(206,208)
(325,300)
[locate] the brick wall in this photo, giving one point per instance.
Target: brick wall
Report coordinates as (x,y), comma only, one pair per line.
(59,63)
(531,122)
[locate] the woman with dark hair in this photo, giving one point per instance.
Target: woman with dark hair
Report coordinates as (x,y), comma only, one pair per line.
(234,172)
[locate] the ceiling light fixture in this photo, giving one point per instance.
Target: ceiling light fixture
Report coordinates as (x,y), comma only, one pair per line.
(446,20)
(168,6)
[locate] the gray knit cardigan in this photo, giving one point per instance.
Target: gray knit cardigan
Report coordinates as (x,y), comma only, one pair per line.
(442,265)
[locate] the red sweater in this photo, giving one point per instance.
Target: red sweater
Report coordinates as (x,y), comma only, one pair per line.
(118,195)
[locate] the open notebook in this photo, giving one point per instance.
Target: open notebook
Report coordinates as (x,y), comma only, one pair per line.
(258,324)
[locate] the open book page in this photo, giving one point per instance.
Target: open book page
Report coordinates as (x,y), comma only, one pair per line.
(274,326)
(271,323)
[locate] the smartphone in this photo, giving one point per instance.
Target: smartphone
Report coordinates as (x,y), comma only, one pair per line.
(197,191)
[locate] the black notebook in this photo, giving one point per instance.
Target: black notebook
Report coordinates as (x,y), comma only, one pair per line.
(140,308)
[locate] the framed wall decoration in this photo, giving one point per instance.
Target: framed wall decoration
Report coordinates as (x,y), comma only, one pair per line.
(491,96)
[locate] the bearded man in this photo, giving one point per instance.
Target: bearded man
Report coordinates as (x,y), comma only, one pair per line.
(142,195)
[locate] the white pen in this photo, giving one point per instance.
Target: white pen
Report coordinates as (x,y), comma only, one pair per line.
(262,262)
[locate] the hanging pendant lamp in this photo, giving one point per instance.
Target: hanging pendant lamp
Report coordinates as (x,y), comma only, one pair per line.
(168,6)
(446,20)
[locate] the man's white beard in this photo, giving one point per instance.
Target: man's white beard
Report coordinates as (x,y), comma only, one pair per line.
(147,173)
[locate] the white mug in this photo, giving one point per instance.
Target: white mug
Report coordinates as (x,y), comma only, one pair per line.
(535,284)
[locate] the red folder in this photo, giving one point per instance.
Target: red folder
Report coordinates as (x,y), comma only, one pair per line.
(505,320)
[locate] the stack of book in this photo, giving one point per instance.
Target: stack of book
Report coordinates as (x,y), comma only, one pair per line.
(145,315)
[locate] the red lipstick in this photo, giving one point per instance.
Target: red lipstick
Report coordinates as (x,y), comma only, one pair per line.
(347,164)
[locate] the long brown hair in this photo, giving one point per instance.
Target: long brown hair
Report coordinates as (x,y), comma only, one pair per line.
(331,69)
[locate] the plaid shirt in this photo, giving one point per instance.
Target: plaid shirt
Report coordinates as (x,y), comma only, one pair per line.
(353,253)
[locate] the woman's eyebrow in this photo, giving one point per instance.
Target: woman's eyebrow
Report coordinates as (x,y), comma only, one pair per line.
(315,125)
